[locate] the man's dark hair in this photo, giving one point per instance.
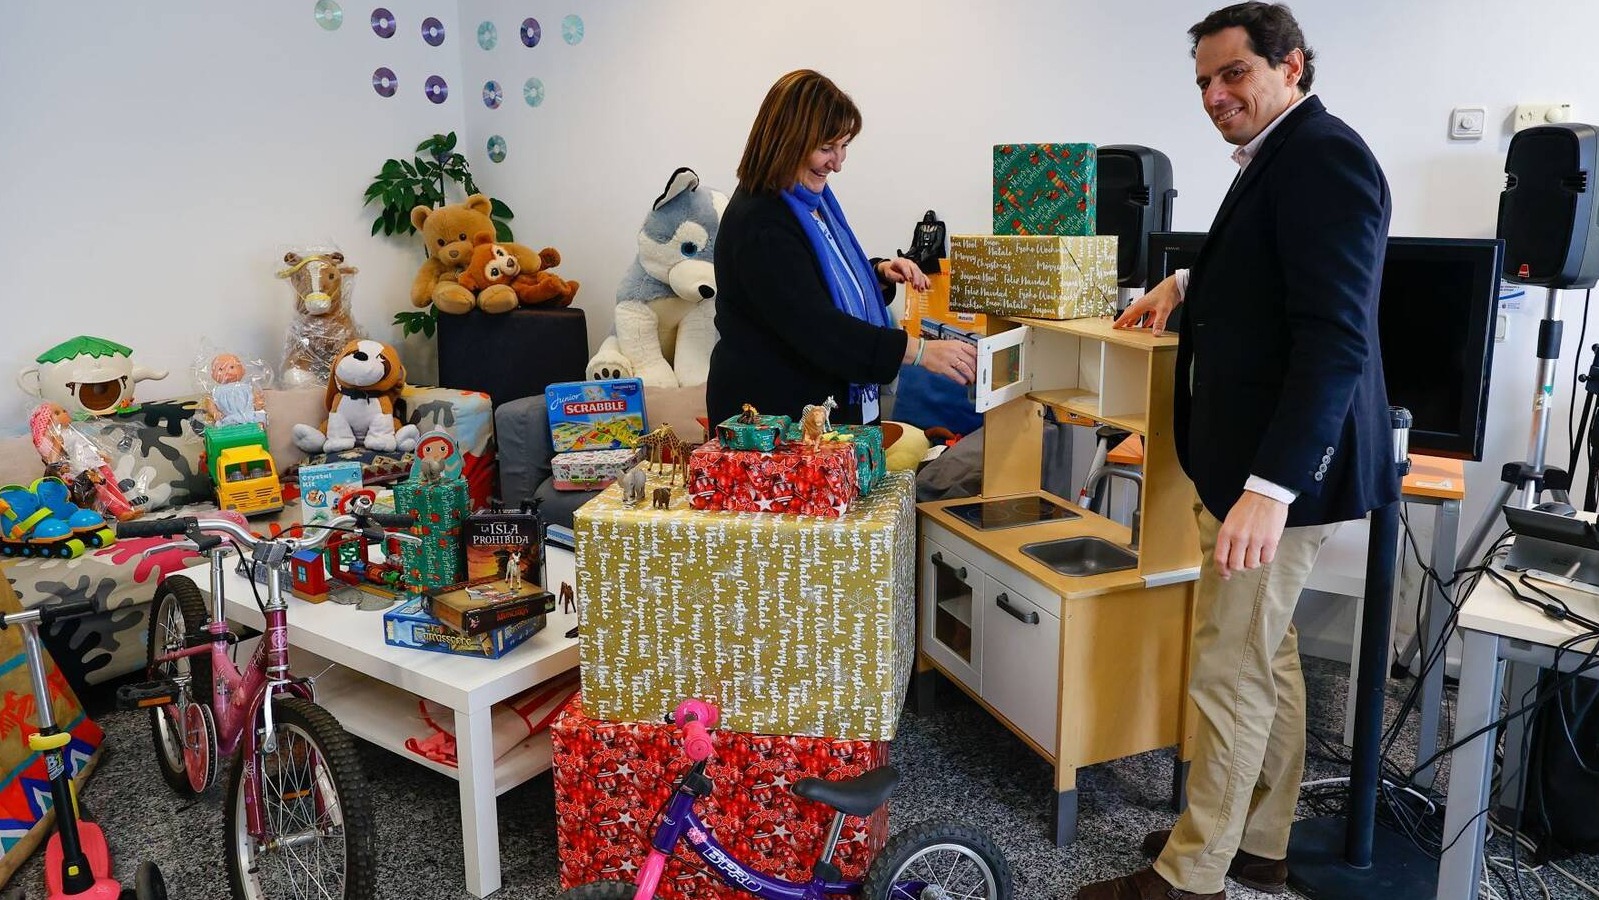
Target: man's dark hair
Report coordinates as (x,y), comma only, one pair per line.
(1273,33)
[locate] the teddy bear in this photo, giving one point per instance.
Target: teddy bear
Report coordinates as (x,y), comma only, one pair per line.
(364,385)
(493,264)
(665,323)
(450,233)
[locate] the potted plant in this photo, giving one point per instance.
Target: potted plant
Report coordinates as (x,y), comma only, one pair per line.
(425,180)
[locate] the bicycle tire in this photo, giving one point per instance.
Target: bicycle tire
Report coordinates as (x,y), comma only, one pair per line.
(148,884)
(178,609)
(906,849)
(600,890)
(285,789)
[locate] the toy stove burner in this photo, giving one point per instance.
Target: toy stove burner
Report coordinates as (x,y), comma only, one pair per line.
(985,515)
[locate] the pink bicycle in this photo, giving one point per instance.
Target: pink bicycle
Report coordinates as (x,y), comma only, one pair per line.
(931,861)
(297,822)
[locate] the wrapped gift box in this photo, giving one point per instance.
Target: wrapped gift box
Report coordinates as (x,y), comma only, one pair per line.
(590,470)
(410,625)
(1041,276)
(793,624)
(765,433)
(790,479)
(867,440)
(439,509)
(611,779)
(1045,188)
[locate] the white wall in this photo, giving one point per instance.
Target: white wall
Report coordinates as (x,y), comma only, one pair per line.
(163,163)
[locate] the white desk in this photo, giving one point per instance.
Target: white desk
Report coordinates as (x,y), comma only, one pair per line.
(372,689)
(1495,626)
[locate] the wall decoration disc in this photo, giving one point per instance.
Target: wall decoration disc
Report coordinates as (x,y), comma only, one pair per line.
(436,89)
(531,32)
(487,35)
(572,29)
(533,92)
(493,95)
(384,81)
(383,23)
(329,15)
(496,148)
(432,31)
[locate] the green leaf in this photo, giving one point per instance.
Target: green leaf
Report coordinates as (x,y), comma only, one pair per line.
(502,231)
(391,167)
(377,224)
(449,142)
(499,210)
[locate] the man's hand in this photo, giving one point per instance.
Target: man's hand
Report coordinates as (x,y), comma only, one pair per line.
(1156,305)
(1249,536)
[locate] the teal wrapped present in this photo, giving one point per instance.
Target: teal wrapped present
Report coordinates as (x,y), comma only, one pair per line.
(439,509)
(754,432)
(871,463)
(1045,188)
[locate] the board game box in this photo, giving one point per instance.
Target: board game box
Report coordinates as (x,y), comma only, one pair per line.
(492,536)
(595,415)
(488,603)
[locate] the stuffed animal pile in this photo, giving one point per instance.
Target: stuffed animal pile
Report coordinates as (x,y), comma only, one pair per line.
(665,306)
(494,264)
(452,234)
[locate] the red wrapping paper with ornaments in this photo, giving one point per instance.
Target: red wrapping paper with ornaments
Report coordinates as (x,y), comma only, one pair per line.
(790,479)
(612,778)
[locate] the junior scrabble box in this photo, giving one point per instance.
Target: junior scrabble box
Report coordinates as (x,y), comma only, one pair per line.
(595,415)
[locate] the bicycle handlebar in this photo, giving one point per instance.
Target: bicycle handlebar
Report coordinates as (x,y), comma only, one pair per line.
(695,717)
(172,527)
(44,615)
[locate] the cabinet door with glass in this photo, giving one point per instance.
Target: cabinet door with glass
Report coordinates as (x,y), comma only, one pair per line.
(950,611)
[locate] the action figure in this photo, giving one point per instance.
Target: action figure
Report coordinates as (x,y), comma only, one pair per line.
(513,571)
(70,455)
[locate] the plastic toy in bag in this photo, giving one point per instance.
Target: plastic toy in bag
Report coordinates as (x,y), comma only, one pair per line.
(233,390)
(75,458)
(323,323)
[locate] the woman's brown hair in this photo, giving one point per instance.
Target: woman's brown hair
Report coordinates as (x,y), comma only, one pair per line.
(802,111)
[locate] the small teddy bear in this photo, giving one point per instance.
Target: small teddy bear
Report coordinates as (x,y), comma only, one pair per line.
(494,264)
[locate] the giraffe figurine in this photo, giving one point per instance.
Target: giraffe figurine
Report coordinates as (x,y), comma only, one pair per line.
(662,442)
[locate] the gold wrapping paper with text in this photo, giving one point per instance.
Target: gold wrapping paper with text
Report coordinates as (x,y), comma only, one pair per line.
(794,625)
(1044,276)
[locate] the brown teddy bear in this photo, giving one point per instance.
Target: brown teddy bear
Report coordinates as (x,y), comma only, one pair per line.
(450,233)
(493,264)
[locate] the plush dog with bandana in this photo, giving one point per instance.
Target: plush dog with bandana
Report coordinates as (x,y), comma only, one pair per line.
(364,386)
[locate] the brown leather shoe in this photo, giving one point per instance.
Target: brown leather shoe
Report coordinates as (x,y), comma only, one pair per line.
(1143,884)
(1269,876)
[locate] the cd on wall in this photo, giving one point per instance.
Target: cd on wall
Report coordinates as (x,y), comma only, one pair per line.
(533,92)
(496,148)
(384,81)
(531,32)
(487,35)
(572,29)
(436,89)
(432,31)
(492,94)
(329,15)
(383,24)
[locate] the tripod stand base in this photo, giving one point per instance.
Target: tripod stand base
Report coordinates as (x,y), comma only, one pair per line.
(1398,870)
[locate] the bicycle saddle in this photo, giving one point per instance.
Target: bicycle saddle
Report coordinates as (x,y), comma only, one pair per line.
(858,796)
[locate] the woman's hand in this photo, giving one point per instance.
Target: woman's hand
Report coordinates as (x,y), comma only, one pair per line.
(955,360)
(900,270)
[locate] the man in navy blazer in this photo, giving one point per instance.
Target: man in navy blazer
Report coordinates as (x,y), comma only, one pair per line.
(1281,420)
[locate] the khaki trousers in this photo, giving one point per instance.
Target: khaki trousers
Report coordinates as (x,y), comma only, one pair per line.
(1246,681)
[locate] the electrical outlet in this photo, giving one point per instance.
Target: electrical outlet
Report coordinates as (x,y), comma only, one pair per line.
(1466,123)
(1530,114)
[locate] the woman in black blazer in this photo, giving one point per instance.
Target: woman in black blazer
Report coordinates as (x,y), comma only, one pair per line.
(801,312)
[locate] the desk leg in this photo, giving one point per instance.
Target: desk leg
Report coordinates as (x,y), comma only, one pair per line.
(480,827)
(1445,531)
(1065,804)
(1521,680)
(1471,768)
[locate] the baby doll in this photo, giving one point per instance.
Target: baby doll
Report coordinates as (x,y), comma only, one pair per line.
(234,401)
(70,455)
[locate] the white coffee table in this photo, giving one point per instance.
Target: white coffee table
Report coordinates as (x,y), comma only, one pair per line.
(372,688)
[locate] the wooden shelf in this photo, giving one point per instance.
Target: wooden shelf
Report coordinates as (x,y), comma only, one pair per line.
(1100,330)
(1086,404)
(959,609)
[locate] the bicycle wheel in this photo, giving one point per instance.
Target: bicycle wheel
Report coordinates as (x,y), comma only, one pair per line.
(939,859)
(320,840)
(149,884)
(179,609)
(599,890)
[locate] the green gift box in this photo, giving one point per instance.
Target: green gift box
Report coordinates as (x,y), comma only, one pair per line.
(1045,188)
(753,432)
(793,625)
(439,509)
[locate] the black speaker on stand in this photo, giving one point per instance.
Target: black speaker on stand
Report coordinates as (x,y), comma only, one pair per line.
(1135,199)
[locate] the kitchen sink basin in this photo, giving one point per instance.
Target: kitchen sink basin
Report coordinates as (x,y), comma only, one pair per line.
(1082,556)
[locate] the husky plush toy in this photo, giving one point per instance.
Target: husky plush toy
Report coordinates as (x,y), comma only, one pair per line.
(665,307)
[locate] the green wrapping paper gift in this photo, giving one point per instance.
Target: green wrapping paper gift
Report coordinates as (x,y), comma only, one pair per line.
(439,509)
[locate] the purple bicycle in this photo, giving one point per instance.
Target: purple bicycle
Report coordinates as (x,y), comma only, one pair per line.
(932,861)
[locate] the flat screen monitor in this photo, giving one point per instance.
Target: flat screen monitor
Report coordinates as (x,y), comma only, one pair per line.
(1435,319)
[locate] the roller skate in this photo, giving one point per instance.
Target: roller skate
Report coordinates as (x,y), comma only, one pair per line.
(29,528)
(89,526)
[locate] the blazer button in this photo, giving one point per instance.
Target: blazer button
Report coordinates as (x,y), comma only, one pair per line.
(1329,451)
(1320,475)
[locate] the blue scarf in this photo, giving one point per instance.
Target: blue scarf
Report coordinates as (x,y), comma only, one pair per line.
(864,302)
